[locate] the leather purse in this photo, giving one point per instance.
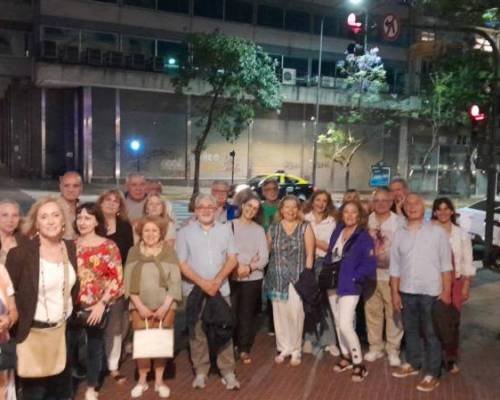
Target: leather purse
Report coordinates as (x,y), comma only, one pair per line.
(81,316)
(328,277)
(43,352)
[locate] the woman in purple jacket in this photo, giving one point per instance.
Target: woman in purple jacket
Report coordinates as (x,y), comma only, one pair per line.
(350,244)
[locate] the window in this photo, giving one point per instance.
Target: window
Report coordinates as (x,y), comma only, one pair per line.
(172,53)
(239,11)
(177,6)
(328,68)
(208,8)
(99,40)
(270,16)
(330,26)
(107,1)
(140,3)
(62,36)
(137,45)
(427,36)
(14,43)
(297,21)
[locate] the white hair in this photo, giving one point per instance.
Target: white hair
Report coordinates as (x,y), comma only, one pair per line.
(202,196)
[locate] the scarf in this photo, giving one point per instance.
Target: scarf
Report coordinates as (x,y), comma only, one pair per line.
(166,255)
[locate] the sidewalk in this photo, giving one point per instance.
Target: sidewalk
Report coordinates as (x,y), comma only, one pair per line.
(315,380)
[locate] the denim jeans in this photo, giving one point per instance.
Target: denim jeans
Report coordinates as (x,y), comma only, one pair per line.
(417,319)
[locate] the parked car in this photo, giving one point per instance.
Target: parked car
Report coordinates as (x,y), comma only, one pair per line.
(473,220)
(288,184)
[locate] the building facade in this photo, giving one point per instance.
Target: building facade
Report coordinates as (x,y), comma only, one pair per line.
(80,79)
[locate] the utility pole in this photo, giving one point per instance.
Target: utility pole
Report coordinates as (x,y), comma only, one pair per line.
(316,120)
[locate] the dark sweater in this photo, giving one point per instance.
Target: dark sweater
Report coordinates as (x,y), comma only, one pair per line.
(123,237)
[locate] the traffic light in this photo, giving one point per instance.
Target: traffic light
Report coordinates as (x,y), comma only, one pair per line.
(354,24)
(476,115)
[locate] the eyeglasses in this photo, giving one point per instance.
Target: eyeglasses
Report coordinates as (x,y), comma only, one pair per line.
(205,208)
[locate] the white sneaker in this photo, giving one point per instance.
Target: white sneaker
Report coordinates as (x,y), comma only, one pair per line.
(333,350)
(199,381)
(163,391)
(91,394)
(280,358)
(394,360)
(138,390)
(372,356)
(230,381)
(295,360)
(307,347)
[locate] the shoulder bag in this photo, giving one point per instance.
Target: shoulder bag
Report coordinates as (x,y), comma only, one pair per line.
(43,352)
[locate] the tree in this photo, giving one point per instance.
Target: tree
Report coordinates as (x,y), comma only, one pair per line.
(465,12)
(458,80)
(365,76)
(240,79)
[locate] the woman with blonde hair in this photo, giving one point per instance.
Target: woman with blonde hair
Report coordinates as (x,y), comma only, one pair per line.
(118,229)
(291,243)
(43,273)
(153,284)
(155,206)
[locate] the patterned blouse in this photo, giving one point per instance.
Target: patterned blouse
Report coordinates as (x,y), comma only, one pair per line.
(287,260)
(99,268)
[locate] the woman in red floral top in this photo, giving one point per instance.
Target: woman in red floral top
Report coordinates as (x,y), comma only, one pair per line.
(101,282)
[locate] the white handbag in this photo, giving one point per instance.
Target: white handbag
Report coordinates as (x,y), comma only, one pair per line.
(153,343)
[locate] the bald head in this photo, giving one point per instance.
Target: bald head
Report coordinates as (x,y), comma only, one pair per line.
(70,186)
(414,207)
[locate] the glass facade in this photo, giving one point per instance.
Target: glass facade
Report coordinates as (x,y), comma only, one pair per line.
(177,6)
(140,3)
(138,45)
(239,11)
(270,16)
(14,43)
(99,40)
(103,132)
(209,8)
(299,21)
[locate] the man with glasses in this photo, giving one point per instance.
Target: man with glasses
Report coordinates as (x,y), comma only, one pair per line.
(225,211)
(207,256)
(382,224)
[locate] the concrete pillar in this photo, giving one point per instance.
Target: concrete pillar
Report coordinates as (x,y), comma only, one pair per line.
(87,135)
(403,149)
(43,133)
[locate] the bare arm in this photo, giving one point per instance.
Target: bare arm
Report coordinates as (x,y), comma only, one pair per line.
(310,246)
(227,268)
(396,297)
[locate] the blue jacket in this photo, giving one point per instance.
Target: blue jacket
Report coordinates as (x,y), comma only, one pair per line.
(358,261)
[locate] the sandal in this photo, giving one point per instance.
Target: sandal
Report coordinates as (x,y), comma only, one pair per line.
(119,378)
(359,373)
(245,358)
(343,365)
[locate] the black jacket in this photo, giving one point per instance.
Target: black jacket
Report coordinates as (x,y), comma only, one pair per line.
(310,293)
(216,315)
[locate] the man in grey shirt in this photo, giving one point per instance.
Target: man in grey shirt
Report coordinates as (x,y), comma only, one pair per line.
(207,255)
(420,270)
(136,195)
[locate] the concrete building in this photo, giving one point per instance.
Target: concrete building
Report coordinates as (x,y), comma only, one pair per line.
(79,79)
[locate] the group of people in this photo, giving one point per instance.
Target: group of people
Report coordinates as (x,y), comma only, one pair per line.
(93,272)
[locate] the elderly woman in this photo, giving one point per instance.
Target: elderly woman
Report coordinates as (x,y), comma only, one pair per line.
(155,206)
(291,242)
(444,214)
(43,273)
(153,284)
(351,247)
(119,230)
(246,281)
(101,283)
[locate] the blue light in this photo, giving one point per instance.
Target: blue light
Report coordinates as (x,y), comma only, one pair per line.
(135,145)
(172,61)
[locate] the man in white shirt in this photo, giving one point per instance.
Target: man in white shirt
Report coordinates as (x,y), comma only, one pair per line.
(382,224)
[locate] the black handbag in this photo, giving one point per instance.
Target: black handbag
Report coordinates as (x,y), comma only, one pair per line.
(8,355)
(328,277)
(80,317)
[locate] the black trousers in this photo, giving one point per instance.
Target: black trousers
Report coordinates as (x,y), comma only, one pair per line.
(245,298)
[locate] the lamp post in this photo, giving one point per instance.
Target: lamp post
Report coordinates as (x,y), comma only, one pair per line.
(316,120)
(232,154)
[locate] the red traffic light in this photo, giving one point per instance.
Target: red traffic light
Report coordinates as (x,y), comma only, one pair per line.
(475,113)
(353,23)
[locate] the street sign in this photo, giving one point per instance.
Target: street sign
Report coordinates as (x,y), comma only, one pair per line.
(381,176)
(391,27)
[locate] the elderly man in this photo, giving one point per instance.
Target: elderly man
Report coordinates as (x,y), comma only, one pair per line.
(225,212)
(207,255)
(136,195)
(70,187)
(420,269)
(399,191)
(382,224)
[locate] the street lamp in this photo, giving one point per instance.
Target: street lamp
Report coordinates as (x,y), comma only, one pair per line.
(135,146)
(232,154)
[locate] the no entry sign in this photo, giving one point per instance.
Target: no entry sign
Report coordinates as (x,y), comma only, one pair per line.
(391,27)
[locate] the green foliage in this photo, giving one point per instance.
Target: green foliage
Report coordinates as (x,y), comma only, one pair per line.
(241,78)
(338,143)
(465,12)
